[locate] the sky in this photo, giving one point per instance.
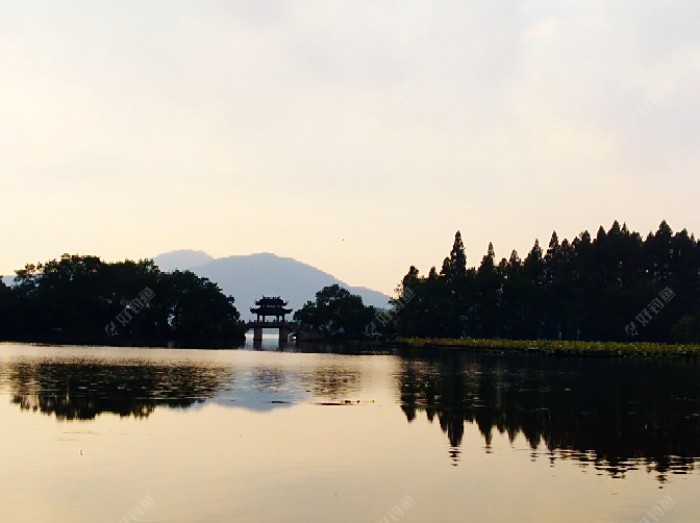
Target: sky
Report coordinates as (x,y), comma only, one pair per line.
(353,136)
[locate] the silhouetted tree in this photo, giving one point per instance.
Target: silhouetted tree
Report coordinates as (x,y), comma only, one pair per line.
(336,314)
(80,299)
(488,287)
(583,289)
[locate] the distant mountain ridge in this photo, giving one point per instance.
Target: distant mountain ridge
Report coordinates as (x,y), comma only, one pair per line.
(248,277)
(182,259)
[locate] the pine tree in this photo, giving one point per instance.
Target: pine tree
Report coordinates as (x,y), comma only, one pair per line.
(458,258)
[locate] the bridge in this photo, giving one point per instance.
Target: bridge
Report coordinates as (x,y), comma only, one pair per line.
(274,307)
(285,329)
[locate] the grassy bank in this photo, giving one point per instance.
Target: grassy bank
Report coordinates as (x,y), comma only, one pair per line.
(559,347)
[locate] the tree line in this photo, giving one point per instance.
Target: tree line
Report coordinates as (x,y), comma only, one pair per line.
(83,300)
(615,286)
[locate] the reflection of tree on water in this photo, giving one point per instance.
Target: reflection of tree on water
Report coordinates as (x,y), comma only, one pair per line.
(332,383)
(83,390)
(614,414)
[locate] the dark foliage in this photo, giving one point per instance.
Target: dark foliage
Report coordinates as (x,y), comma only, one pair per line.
(336,315)
(83,300)
(608,288)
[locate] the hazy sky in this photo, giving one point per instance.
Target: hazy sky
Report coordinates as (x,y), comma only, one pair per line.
(354,136)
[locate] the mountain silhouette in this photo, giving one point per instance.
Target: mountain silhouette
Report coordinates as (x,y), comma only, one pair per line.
(182,259)
(248,277)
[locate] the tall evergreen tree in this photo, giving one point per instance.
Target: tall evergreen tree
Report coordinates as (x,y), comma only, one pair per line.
(458,258)
(584,289)
(488,285)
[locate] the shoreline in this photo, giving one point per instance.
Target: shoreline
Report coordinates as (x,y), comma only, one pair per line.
(556,347)
(602,349)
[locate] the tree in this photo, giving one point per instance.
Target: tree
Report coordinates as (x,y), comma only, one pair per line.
(7,306)
(336,314)
(584,289)
(488,287)
(80,299)
(687,329)
(515,297)
(409,281)
(198,313)
(455,267)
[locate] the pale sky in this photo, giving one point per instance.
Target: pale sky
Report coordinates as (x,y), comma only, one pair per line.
(354,136)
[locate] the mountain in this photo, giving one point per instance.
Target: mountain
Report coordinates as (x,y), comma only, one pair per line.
(182,259)
(248,277)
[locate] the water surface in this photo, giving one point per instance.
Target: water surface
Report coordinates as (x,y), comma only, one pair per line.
(112,434)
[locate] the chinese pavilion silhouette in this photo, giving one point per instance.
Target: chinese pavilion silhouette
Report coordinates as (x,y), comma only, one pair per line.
(270,312)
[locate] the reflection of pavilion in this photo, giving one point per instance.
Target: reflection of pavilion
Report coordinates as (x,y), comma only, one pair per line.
(272,307)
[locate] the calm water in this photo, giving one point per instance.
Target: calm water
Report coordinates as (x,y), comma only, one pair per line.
(152,435)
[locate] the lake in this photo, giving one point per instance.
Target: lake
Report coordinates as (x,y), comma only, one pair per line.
(323,434)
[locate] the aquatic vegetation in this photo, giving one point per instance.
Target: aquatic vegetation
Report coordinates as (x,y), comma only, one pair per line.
(563,347)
